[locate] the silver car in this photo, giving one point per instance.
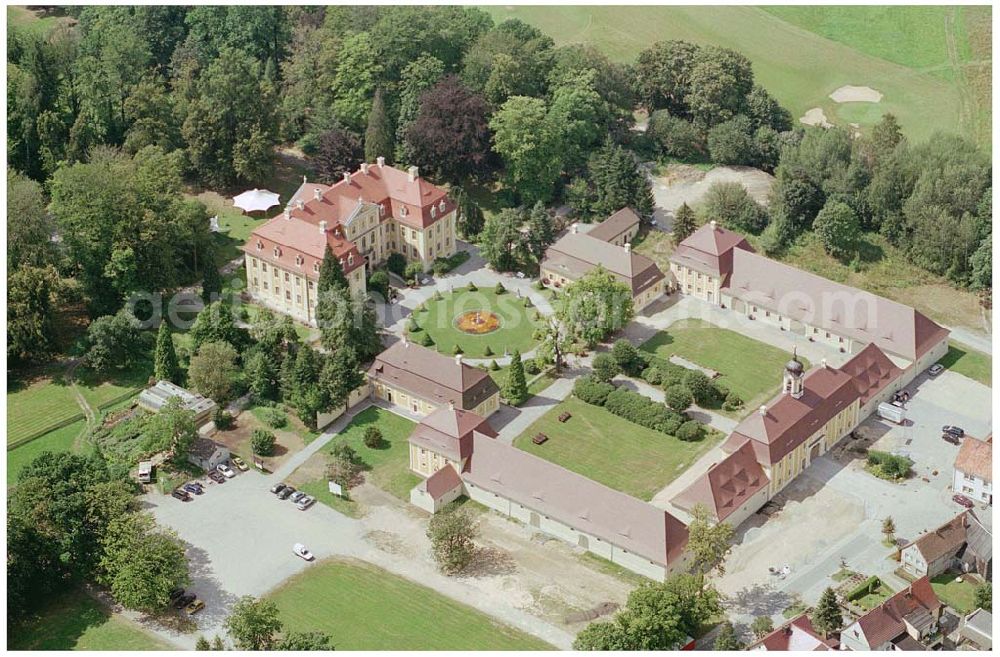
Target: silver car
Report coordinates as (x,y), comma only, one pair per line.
(296,496)
(306,502)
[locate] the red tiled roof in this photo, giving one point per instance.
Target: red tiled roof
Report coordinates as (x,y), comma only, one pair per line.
(872,371)
(885,622)
(442,482)
(727,484)
(432,376)
(975,457)
(797,634)
(448,431)
(300,245)
(710,250)
(946,539)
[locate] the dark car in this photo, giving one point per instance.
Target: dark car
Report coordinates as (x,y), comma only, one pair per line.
(277,488)
(184,601)
(176,593)
(947,437)
(181,495)
(285,493)
(216,477)
(963,500)
(958,432)
(194,488)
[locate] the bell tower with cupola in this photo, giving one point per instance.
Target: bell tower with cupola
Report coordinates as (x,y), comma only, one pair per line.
(793,377)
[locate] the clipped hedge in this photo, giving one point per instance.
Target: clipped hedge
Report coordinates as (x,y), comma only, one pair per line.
(643,411)
(864,588)
(592,391)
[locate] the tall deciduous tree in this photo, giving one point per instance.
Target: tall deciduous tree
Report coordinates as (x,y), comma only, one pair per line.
(500,239)
(452,532)
(529,145)
(419,75)
(253,624)
(29,226)
(337,152)
(708,542)
(838,229)
(113,342)
(30,313)
(141,563)
(213,371)
(595,306)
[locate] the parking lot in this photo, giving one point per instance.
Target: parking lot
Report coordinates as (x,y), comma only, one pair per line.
(835,508)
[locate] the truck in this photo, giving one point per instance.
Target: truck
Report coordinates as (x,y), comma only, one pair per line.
(892,413)
(145,472)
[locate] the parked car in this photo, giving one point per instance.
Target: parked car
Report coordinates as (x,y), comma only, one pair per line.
(225,470)
(947,437)
(285,493)
(305,502)
(176,593)
(277,488)
(301,551)
(296,496)
(192,487)
(184,600)
(216,477)
(958,432)
(240,463)
(182,495)
(194,607)
(963,500)
(935,369)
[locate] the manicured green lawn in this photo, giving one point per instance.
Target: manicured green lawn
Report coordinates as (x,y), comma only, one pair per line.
(960,596)
(389,466)
(320,489)
(516,323)
(37,404)
(612,450)
(365,608)
(99,391)
(968,362)
(75,622)
(799,67)
(59,440)
(749,368)
(872,600)
(540,383)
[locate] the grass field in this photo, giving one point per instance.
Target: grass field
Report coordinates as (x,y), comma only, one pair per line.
(365,608)
(99,391)
(749,368)
(960,596)
(968,362)
(60,440)
(75,622)
(37,23)
(797,55)
(515,332)
(35,404)
(389,466)
(612,450)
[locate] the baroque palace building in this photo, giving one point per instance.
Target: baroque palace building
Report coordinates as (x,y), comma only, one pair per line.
(369,214)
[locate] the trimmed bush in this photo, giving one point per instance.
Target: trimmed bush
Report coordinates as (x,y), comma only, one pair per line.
(438,296)
(527,302)
(690,431)
(472,287)
(412,326)
(889,466)
(643,411)
(457,350)
(531,366)
(733,402)
(373,437)
(223,420)
(678,397)
(589,389)
(605,367)
(262,442)
(414,271)
(864,588)
(628,357)
(494,366)
(487,351)
(499,289)
(537,285)
(274,417)
(423,338)
(701,387)
(652,375)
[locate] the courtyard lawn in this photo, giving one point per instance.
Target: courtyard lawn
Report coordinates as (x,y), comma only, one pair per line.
(611,450)
(38,404)
(366,608)
(58,440)
(74,621)
(438,320)
(968,362)
(389,466)
(960,596)
(749,368)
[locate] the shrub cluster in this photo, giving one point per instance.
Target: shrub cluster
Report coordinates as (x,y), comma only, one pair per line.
(591,390)
(643,411)
(273,417)
(889,466)
(444,265)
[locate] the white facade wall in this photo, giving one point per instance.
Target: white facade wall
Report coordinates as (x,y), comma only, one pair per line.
(697,284)
(973,487)
(748,508)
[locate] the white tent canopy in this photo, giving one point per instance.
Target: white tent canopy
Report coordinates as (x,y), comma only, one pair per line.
(256,200)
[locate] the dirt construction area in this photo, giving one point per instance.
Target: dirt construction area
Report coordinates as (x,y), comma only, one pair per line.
(683,183)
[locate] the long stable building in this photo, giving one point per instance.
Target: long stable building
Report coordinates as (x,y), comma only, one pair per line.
(375,211)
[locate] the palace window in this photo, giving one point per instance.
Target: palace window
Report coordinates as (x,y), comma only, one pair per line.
(254,263)
(433,212)
(260,245)
(316,267)
(298,260)
(277,252)
(286,276)
(288,295)
(441,205)
(263,266)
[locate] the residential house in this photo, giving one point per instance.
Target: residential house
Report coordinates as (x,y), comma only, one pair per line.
(618,229)
(421,380)
(963,543)
(576,254)
(156,397)
(908,620)
(364,217)
(797,634)
(542,495)
(207,454)
(974,469)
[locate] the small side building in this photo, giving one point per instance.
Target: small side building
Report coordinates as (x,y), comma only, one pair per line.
(207,454)
(618,229)
(963,544)
(974,469)
(977,629)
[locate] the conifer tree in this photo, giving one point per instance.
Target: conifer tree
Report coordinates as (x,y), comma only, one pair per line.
(165,366)
(827,617)
(211,283)
(379,135)
(515,387)
(684,223)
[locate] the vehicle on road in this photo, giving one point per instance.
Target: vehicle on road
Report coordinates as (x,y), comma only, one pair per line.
(240,463)
(194,607)
(285,493)
(192,487)
(277,488)
(296,496)
(184,600)
(958,432)
(216,477)
(301,551)
(305,502)
(963,500)
(935,369)
(225,470)
(182,495)
(947,437)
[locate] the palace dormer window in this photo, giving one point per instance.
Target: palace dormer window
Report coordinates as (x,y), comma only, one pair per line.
(316,267)
(260,245)
(350,260)
(403,211)
(381,209)
(433,212)
(277,252)
(298,260)
(441,205)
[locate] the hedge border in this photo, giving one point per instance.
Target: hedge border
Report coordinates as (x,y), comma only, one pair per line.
(20,442)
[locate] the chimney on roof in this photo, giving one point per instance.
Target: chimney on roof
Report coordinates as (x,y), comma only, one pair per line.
(347,177)
(763,410)
(322,227)
(451,405)
(364,168)
(304,180)
(458,359)
(300,204)
(380,161)
(288,212)
(628,247)
(317,193)
(714,224)
(575,228)
(823,363)
(414,173)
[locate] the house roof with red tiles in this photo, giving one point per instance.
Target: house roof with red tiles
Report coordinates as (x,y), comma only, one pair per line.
(975,457)
(448,431)
(727,484)
(796,634)
(946,539)
(574,500)
(442,482)
(710,250)
(296,245)
(621,221)
(914,604)
(872,371)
